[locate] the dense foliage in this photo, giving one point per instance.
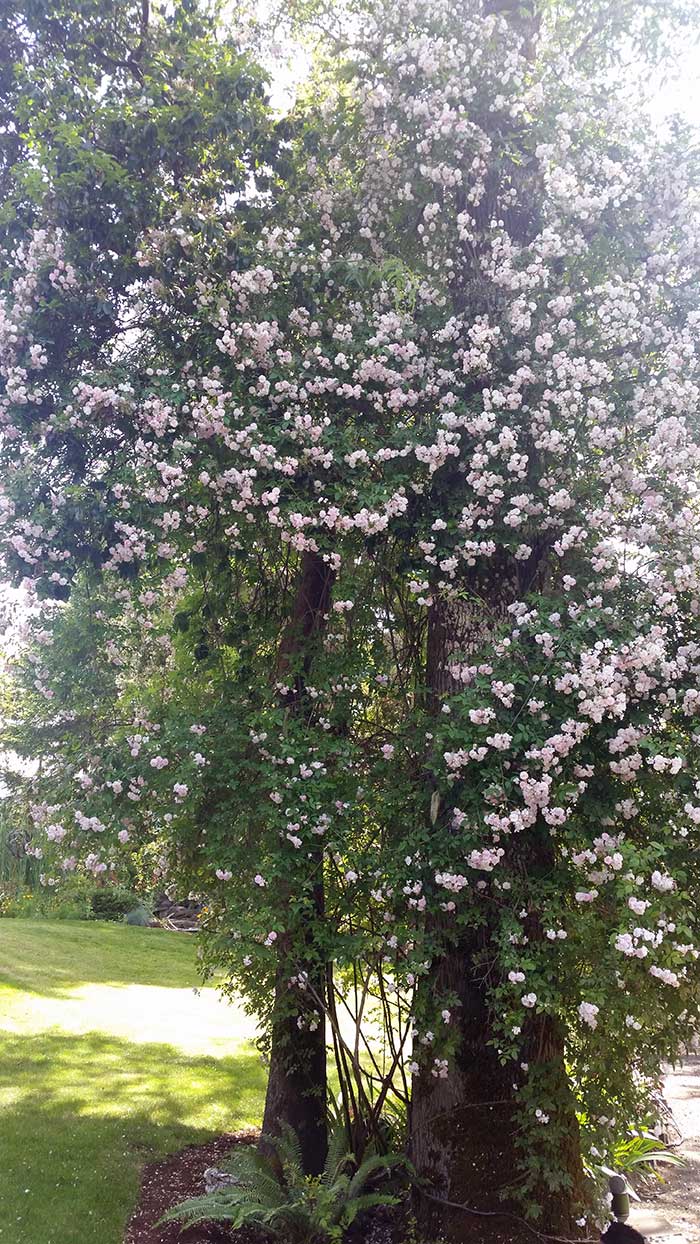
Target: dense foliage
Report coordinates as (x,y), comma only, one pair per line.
(441,359)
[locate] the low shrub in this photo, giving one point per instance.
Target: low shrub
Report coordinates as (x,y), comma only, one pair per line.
(15,905)
(67,903)
(112,903)
(73,901)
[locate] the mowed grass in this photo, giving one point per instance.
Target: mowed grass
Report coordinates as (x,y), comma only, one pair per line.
(108,1059)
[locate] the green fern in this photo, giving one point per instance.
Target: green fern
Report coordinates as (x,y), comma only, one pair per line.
(338,1153)
(289,1151)
(380,1163)
(298,1208)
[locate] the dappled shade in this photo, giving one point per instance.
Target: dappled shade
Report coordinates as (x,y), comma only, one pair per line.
(84,1111)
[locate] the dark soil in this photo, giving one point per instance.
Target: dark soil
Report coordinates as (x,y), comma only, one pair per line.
(174,1179)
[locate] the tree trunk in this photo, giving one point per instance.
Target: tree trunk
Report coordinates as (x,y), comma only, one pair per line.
(296,1086)
(463,1129)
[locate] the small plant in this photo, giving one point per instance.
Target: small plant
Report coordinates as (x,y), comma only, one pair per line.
(638,1154)
(275,1194)
(642,1153)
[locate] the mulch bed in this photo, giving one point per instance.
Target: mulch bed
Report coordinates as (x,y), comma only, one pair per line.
(174,1179)
(181,1175)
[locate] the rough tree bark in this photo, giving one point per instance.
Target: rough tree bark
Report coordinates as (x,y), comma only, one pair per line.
(296,1087)
(463,1129)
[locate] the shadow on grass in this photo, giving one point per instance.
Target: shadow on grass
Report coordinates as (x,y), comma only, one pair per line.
(81,1115)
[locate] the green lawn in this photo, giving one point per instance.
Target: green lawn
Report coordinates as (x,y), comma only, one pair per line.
(107,1060)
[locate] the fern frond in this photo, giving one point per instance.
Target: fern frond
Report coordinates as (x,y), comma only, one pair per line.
(368,1201)
(294,1224)
(338,1190)
(288,1148)
(244,1162)
(253,1172)
(380,1162)
(212,1208)
(338,1153)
